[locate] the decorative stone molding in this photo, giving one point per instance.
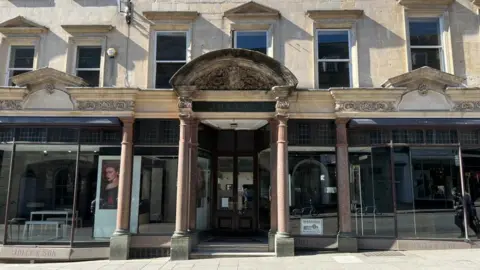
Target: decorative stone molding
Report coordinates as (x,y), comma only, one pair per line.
(334,18)
(365,106)
(466,106)
(20,25)
(88,29)
(414,3)
(105,105)
(282,93)
(171,15)
(476,2)
(420,8)
(233,69)
(11,105)
(185,106)
(47,75)
(425,78)
(252,10)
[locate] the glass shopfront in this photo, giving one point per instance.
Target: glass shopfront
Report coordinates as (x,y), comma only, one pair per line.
(49,177)
(412,185)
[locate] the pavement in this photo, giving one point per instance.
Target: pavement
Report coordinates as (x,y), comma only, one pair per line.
(385,260)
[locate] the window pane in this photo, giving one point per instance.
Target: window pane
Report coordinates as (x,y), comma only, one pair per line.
(89,57)
(22,56)
(333,45)
(171,46)
(426,57)
(42,193)
(255,41)
(333,74)
(424,32)
(165,71)
(5,158)
(92,77)
(313,191)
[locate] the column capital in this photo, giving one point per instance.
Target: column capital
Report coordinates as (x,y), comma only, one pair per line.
(127,120)
(341,121)
(282,107)
(185,106)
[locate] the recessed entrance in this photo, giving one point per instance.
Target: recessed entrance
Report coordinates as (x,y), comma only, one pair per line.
(235,181)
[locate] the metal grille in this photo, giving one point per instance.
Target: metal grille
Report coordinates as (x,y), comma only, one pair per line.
(148,253)
(154,131)
(311,133)
(62,135)
(469,137)
(408,136)
(6,135)
(31,134)
(100,136)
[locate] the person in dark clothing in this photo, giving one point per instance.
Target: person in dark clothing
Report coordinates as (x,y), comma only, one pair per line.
(471,213)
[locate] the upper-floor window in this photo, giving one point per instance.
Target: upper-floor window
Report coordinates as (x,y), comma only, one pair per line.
(425,43)
(21,61)
(251,40)
(88,64)
(333,51)
(170,55)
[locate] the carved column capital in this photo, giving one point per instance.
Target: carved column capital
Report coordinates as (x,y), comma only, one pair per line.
(281,94)
(185,106)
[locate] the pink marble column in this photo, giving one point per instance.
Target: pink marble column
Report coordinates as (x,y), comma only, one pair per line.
(273,175)
(344,218)
(125,179)
(181,219)
(282,177)
(192,207)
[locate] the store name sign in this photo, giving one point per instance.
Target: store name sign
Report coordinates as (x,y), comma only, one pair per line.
(35,253)
(311,226)
(217,106)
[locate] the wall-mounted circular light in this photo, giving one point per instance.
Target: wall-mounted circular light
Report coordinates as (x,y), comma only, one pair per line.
(111,52)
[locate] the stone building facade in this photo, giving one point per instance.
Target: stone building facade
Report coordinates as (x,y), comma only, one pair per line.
(151,128)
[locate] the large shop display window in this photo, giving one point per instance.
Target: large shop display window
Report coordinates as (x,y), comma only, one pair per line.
(413,192)
(51,181)
(313,193)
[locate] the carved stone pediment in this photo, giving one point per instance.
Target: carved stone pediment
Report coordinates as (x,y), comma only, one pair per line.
(234,69)
(424,79)
(20,25)
(252,10)
(47,76)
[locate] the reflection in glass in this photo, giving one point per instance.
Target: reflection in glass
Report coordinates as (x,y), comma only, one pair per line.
(252,40)
(43,189)
(313,191)
(245,183)
(225,188)
(158,195)
(265,190)
(371,192)
(203,193)
(13,223)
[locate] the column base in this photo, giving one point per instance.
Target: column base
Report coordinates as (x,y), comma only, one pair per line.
(271,241)
(347,242)
(284,245)
(180,247)
(119,247)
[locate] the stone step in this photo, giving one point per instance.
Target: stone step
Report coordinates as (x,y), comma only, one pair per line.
(204,254)
(232,247)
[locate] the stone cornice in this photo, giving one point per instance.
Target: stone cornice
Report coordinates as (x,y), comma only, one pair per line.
(252,10)
(88,29)
(103,93)
(419,8)
(476,2)
(335,14)
(47,74)
(414,3)
(20,25)
(334,18)
(171,15)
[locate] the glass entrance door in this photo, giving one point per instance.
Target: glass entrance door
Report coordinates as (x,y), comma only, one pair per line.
(236,193)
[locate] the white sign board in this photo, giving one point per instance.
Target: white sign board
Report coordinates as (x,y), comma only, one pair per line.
(310,226)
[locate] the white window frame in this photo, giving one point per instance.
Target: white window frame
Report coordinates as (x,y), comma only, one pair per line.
(268,39)
(9,69)
(86,41)
(350,52)
(439,47)
(99,69)
(187,53)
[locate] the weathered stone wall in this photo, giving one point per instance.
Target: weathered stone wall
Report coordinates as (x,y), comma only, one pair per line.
(380,34)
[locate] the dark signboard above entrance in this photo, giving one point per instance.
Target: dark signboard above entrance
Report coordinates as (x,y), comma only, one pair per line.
(220,106)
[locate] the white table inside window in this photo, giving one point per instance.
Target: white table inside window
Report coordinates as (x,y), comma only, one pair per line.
(65,213)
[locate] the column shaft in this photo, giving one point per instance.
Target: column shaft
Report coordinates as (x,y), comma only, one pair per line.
(182,179)
(282,177)
(345,225)
(125,179)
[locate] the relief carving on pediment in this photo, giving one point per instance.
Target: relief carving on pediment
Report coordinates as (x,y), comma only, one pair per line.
(234,77)
(365,106)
